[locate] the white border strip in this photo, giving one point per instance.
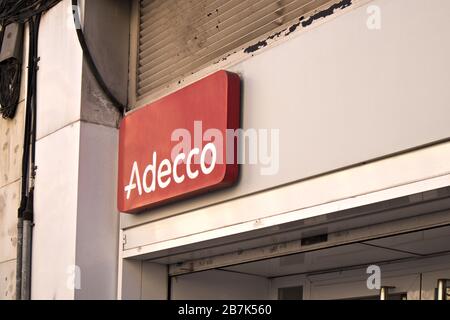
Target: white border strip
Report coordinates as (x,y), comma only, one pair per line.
(414,172)
(296,215)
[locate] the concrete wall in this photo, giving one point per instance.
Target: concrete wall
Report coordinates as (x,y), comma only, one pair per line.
(57,156)
(11,144)
(54,234)
(97,219)
(106,27)
(11,147)
(107,32)
(76,234)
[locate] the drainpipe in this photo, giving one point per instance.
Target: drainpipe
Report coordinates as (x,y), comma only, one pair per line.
(26,210)
(19,257)
(28,216)
(25,176)
(26,250)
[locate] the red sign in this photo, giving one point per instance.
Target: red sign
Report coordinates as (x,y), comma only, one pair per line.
(177,146)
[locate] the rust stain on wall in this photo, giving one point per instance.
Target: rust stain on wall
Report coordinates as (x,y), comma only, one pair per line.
(302,22)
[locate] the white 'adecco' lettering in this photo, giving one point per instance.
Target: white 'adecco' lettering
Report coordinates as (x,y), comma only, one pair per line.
(163,173)
(254,147)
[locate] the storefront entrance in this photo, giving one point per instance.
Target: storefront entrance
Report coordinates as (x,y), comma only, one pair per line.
(398,249)
(410,265)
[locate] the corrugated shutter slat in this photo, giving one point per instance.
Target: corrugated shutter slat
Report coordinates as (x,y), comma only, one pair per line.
(178,37)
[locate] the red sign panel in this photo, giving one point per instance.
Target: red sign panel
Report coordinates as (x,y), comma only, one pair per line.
(177,146)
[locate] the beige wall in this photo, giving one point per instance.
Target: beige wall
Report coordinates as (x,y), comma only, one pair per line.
(11,148)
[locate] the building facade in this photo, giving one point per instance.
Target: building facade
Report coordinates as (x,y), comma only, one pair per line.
(349,193)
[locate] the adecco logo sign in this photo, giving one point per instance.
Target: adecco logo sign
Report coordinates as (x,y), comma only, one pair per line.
(151,173)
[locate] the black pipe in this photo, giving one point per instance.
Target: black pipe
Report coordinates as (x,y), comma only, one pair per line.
(34,97)
(28,215)
(25,162)
(26,11)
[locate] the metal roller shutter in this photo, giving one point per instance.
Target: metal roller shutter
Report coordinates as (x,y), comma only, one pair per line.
(179,37)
